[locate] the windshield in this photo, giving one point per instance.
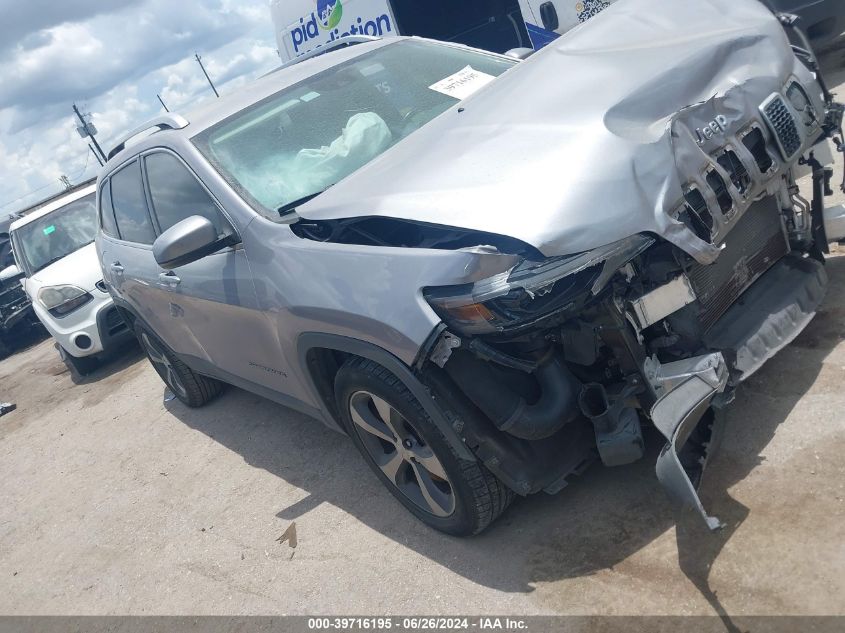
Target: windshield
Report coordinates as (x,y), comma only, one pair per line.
(58,234)
(306,138)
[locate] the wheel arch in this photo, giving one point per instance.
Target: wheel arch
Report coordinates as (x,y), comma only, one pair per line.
(321,356)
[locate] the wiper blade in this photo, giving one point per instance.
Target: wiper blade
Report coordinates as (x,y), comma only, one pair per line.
(291,206)
(49,263)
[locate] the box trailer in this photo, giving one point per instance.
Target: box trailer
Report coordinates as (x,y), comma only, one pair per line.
(496,25)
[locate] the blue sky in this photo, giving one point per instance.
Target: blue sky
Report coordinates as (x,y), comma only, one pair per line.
(111,57)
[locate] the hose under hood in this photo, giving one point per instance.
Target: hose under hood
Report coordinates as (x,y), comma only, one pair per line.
(556,407)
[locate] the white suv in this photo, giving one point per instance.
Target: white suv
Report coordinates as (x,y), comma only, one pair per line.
(54,247)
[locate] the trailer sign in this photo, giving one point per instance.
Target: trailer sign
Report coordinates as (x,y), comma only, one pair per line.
(330,20)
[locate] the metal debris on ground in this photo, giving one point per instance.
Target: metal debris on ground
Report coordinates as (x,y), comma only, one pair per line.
(7,407)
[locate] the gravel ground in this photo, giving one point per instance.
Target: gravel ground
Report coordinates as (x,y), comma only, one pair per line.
(116,502)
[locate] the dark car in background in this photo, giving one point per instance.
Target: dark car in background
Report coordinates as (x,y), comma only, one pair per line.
(822,20)
(16,314)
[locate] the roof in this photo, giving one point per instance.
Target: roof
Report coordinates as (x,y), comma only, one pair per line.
(215,110)
(56,203)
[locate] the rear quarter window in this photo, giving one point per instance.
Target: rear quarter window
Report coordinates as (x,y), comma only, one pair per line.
(107,223)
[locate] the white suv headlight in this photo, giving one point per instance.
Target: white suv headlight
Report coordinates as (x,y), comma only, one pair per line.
(62,300)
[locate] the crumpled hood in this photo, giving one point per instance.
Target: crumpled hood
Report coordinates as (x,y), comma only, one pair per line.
(590,140)
(81,268)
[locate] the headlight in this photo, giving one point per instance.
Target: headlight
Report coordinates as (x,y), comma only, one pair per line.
(531,290)
(62,300)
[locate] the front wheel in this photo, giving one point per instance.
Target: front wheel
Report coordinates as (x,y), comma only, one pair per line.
(192,389)
(411,456)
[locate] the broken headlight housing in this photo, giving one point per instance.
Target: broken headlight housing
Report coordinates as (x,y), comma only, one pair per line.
(531,290)
(62,300)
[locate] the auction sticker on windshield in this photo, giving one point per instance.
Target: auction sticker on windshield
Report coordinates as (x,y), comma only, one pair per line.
(463,83)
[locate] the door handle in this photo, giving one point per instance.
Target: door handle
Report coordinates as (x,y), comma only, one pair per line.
(117,268)
(169,279)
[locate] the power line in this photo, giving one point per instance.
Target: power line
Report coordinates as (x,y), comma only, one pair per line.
(96,155)
(87,158)
(26,195)
(42,188)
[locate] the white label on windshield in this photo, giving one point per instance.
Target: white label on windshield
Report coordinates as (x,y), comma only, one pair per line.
(463,83)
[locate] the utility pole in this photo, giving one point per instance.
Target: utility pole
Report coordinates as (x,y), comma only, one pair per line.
(199,61)
(96,155)
(65,182)
(87,129)
(163,105)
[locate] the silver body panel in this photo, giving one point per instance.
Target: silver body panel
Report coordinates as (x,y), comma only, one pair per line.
(593,138)
(567,164)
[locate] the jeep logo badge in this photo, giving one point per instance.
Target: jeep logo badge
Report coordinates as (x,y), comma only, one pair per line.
(717,126)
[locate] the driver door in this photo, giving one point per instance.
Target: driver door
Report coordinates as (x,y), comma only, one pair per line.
(212,312)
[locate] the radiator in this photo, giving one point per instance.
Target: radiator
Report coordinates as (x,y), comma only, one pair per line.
(751,247)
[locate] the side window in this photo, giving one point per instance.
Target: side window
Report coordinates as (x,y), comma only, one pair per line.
(107,223)
(176,194)
(130,206)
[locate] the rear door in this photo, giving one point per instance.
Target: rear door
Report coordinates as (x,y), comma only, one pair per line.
(127,235)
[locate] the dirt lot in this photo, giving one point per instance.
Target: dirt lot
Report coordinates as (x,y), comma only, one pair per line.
(116,502)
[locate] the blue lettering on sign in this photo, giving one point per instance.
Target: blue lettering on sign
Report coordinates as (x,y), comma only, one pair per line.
(309,29)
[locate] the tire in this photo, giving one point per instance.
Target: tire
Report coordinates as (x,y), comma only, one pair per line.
(78,366)
(191,388)
(411,456)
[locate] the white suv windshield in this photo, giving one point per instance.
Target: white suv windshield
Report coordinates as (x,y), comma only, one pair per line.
(306,138)
(56,235)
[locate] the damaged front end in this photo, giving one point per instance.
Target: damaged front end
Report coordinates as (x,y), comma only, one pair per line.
(664,253)
(640,330)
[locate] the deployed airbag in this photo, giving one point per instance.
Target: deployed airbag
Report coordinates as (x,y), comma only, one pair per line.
(289,176)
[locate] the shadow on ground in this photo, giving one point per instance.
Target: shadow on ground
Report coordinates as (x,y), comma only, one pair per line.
(604,517)
(111,363)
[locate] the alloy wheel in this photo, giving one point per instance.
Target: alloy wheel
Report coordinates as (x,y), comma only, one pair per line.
(403,456)
(163,365)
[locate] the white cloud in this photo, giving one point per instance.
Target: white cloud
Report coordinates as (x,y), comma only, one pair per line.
(111,58)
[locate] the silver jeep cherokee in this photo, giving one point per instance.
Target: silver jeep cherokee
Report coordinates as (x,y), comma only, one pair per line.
(489,272)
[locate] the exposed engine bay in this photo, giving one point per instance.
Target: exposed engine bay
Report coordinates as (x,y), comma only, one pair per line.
(642,331)
(668,258)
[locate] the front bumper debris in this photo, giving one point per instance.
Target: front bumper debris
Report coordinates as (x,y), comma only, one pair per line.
(685,391)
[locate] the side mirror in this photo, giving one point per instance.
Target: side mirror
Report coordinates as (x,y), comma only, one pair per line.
(187,241)
(11,273)
(520,53)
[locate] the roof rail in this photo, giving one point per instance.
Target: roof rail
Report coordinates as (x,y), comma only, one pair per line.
(341,42)
(169,121)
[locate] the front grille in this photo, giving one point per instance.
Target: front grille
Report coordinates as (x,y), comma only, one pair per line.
(783,126)
(754,244)
(12,297)
(755,143)
(730,162)
(723,196)
(696,215)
